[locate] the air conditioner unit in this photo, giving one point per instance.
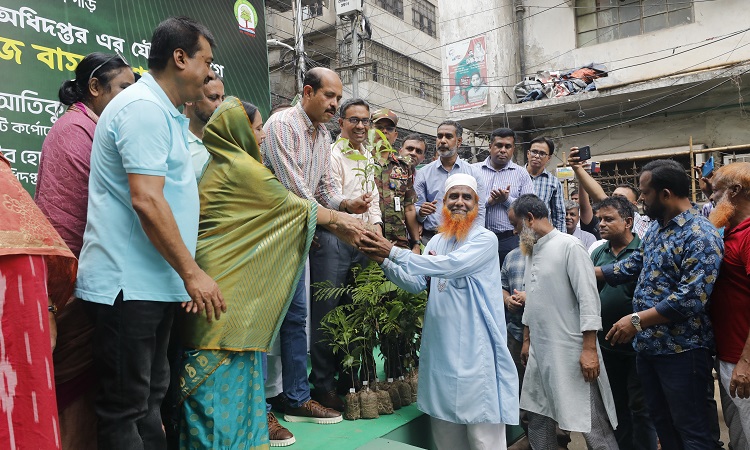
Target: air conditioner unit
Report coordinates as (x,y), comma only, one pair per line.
(346,7)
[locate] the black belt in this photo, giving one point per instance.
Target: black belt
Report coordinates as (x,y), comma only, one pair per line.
(504,234)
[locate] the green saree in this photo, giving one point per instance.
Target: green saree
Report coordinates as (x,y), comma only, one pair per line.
(253,239)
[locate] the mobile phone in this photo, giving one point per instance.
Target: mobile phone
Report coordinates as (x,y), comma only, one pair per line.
(584,153)
(708,167)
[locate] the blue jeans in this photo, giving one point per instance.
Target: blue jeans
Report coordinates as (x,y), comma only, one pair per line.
(294,348)
(675,386)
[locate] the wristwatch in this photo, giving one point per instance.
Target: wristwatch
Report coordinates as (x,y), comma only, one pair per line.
(635,319)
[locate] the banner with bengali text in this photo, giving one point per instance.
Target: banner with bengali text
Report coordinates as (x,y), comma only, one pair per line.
(42,41)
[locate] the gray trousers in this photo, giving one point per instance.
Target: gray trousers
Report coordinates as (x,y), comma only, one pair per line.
(601,437)
(331,261)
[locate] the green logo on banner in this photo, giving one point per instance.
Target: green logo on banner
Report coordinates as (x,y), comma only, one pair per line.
(247,18)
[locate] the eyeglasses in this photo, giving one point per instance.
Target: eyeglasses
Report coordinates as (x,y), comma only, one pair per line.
(538,154)
(116,55)
(389,129)
(356,120)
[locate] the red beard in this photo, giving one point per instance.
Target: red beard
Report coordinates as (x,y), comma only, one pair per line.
(457,225)
(722,213)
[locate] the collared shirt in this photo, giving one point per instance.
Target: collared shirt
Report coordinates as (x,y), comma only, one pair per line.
(676,267)
(198,153)
(617,301)
(548,188)
(430,184)
(641,225)
(586,238)
(513,175)
(140,132)
(351,182)
(300,156)
(511,277)
(395,181)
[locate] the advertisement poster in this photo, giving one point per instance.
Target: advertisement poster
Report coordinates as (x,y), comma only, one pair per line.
(467,72)
(42,41)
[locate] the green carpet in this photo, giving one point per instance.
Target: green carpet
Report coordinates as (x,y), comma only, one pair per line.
(349,434)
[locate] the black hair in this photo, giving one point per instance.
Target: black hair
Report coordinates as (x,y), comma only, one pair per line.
(174,33)
(632,189)
(104,67)
(416,137)
(136,76)
(530,203)
(623,206)
(573,192)
(250,110)
(503,133)
(454,124)
(352,102)
(314,79)
(668,174)
(572,204)
(544,140)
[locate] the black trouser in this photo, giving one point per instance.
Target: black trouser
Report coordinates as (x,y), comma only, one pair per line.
(130,357)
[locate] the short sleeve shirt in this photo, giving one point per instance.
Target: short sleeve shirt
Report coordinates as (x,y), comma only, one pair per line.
(139,132)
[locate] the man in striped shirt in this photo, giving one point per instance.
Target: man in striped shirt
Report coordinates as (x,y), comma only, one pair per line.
(546,185)
(504,181)
(298,151)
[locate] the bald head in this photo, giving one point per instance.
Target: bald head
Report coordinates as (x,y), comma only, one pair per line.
(321,94)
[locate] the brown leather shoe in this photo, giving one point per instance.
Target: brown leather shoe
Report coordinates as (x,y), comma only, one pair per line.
(313,412)
(328,399)
(277,434)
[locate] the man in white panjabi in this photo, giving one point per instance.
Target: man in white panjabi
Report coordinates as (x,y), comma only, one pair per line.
(468,383)
(564,383)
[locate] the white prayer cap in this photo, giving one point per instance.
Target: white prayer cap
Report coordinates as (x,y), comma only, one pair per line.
(461,179)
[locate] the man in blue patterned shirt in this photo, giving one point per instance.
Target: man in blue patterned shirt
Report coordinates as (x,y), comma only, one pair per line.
(546,185)
(676,267)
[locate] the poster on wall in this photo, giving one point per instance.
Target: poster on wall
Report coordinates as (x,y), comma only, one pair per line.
(467,71)
(42,41)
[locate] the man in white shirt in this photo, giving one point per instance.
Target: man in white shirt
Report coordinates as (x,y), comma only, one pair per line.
(353,174)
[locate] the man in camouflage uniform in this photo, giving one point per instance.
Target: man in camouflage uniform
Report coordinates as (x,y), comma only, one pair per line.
(395,184)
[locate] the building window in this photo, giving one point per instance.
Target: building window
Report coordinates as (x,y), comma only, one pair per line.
(311,10)
(395,7)
(606,20)
(402,73)
(423,17)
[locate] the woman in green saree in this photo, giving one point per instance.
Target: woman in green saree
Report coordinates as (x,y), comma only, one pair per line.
(253,239)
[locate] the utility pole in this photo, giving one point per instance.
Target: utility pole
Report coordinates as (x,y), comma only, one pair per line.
(299,46)
(355,56)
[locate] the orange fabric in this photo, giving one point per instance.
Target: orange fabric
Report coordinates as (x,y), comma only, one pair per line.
(24,230)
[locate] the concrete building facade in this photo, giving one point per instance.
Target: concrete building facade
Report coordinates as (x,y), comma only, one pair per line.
(398,55)
(678,72)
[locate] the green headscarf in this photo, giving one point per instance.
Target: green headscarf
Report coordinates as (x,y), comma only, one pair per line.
(253,238)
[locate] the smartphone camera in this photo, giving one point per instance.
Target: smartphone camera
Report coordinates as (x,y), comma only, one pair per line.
(584,153)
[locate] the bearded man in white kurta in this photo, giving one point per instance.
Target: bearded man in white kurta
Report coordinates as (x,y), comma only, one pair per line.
(564,383)
(468,384)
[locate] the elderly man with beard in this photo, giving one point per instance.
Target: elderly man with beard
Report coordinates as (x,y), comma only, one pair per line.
(730,300)
(564,382)
(467,381)
(431,178)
